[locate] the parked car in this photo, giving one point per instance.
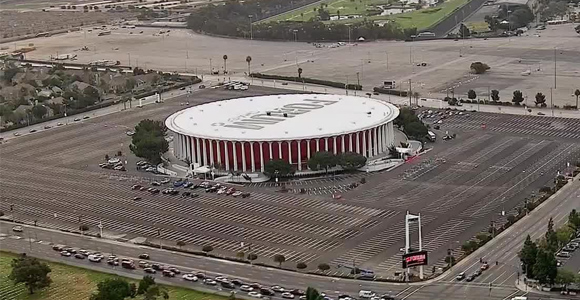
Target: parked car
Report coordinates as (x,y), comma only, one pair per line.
(17,229)
(460,276)
(189,277)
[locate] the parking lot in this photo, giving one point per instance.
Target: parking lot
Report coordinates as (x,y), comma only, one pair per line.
(459,188)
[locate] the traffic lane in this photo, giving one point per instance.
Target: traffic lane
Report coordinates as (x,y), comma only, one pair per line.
(209,265)
(505,247)
(102,267)
(422,292)
(507,244)
(332,287)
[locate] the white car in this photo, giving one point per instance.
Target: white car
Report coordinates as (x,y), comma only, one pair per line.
(17,229)
(95,258)
(189,277)
(65,253)
(246,288)
(114,160)
(287,295)
(210,282)
(366,294)
(255,295)
(130,133)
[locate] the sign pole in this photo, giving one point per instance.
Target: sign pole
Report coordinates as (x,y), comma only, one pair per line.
(420,247)
(407,242)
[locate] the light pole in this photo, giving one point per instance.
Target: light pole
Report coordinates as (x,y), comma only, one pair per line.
(295,38)
(251,27)
(357,81)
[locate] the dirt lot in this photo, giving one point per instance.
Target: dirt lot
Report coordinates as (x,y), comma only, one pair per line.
(447,61)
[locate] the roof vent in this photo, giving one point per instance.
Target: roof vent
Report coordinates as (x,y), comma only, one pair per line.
(268,113)
(319,128)
(286,132)
(285,115)
(368,113)
(194,124)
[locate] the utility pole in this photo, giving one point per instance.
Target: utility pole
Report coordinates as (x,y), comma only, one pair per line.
(551,102)
(251,28)
(555,64)
(410,93)
(357,81)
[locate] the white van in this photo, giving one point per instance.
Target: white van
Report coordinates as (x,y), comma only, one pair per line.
(366,294)
(431,135)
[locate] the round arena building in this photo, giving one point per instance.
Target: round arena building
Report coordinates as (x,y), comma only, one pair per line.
(243,134)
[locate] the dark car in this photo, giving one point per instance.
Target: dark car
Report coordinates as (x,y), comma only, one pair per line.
(227,285)
(200,275)
(237,282)
(298,292)
(157,267)
(470,278)
(144,256)
(168,273)
(79,256)
(174,270)
(267,292)
(256,286)
(113,262)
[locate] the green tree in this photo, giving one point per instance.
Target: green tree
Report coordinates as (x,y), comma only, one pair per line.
(225,57)
(551,237)
(545,270)
(528,255)
(351,161)
(479,67)
(155,291)
(322,160)
(577,93)
(282,166)
(313,294)
(416,130)
(207,249)
(574,220)
(251,257)
(301,266)
(39,111)
(149,141)
(495,95)
(565,277)
(9,72)
(518,97)
(112,289)
(471,94)
(31,272)
(323,267)
(279,258)
(180,244)
(563,235)
(249,61)
(91,93)
(540,100)
(130,83)
(146,282)
(299,72)
(492,22)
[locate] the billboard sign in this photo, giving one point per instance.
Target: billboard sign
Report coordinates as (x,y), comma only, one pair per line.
(414,259)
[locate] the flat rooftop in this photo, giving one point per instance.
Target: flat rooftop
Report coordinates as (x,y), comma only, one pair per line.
(282,117)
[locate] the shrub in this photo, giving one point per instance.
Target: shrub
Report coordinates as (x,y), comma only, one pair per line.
(301,266)
(83,227)
(382,90)
(323,267)
(479,67)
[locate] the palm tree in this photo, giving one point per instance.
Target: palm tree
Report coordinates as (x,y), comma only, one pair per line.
(249,60)
(577,94)
(225,57)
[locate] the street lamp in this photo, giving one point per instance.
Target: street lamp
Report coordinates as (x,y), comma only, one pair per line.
(251,28)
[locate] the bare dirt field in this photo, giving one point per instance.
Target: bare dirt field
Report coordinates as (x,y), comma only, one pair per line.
(447,61)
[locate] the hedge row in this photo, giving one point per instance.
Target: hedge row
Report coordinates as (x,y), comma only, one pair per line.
(383,90)
(335,84)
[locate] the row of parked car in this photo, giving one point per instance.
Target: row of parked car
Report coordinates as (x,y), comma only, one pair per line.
(567,251)
(114,164)
(207,186)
